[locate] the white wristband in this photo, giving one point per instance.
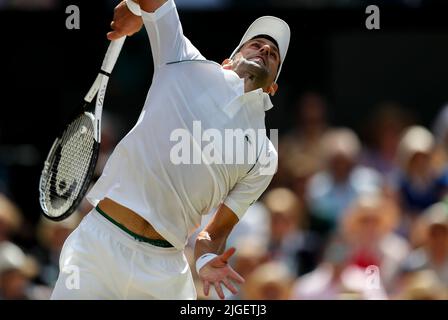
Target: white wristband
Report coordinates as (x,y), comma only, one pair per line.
(203,260)
(134,7)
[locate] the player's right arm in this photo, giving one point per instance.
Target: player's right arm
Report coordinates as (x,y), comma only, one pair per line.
(161,20)
(168,43)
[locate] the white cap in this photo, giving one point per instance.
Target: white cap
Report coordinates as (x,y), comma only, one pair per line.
(274,27)
(416,139)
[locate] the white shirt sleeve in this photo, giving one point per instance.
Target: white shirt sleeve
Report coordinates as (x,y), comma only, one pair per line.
(250,187)
(168,43)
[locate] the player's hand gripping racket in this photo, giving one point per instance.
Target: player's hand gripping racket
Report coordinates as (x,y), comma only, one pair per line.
(69,167)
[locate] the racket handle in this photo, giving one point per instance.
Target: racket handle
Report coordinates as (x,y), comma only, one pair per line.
(112,54)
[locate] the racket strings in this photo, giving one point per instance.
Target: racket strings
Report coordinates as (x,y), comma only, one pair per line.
(69,166)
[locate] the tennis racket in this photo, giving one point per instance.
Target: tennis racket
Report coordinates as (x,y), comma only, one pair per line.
(70,164)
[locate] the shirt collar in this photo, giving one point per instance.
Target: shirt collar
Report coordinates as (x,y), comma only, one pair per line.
(258,94)
(263,98)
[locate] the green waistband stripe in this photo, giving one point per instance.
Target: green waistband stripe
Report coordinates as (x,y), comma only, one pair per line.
(154,242)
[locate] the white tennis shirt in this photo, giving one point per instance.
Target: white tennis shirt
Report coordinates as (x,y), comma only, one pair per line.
(151,172)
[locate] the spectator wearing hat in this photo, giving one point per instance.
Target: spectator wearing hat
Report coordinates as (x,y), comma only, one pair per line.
(330,191)
(270,281)
(418,184)
(433,253)
(16,272)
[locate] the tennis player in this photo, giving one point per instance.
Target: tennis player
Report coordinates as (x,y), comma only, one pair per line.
(147,201)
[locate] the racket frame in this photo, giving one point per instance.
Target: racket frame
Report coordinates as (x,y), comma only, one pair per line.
(98,90)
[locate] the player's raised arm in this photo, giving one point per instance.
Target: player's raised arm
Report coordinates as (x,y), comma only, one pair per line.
(168,43)
(161,20)
(124,23)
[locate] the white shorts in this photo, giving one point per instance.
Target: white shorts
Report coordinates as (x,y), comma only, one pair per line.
(101,261)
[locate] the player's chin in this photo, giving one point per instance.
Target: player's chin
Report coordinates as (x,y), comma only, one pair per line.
(257,63)
(257,69)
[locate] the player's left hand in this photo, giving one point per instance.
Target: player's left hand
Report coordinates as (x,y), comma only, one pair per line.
(125,23)
(217,272)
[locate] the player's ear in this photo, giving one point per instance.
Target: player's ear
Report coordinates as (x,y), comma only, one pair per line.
(273,88)
(227,64)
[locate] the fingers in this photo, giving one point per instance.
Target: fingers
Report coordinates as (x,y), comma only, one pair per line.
(118,33)
(226,255)
(114,35)
(230,286)
(235,276)
(124,23)
(206,287)
(219,290)
(226,280)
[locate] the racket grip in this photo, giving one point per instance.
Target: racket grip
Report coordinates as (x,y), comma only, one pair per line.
(112,54)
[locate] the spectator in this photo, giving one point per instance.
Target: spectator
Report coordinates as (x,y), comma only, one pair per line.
(16,272)
(289,241)
(300,175)
(440,131)
(10,218)
(383,132)
(419,185)
(423,285)
(368,227)
(333,189)
(299,150)
(334,278)
(433,254)
(249,255)
(324,282)
(270,281)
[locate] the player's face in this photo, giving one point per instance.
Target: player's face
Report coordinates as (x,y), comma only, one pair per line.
(257,63)
(264,53)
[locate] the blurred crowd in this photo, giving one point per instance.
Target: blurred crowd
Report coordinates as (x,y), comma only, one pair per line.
(351,216)
(348,215)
